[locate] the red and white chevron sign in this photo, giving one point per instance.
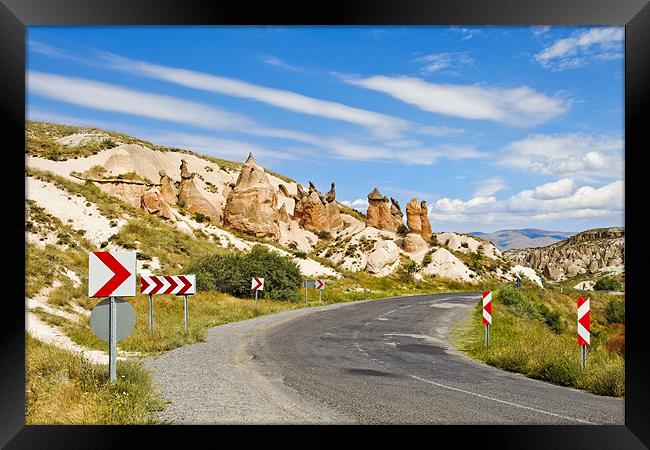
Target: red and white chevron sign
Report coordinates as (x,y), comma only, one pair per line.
(111,274)
(257,284)
(487,307)
(583,321)
(319,284)
(168,284)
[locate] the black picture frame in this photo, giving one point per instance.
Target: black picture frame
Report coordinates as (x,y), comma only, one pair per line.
(15,15)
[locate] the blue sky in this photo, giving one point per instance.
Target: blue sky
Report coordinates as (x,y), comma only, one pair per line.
(496,127)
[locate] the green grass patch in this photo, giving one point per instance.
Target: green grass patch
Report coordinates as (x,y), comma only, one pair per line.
(534,333)
(64,388)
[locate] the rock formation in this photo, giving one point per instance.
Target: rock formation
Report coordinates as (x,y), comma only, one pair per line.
(414,216)
(167,189)
(378,214)
(384,257)
(414,243)
(315,211)
(426,232)
(396,213)
(283,216)
(251,206)
(597,251)
(153,202)
(190,198)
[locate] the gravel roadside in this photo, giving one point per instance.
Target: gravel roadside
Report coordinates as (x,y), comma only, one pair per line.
(217,381)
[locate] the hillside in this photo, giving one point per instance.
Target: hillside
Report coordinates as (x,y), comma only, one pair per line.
(589,254)
(524,238)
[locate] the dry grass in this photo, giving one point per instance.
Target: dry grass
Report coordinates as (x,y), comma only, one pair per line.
(64,388)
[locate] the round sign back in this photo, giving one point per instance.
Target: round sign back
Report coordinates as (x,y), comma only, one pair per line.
(125,319)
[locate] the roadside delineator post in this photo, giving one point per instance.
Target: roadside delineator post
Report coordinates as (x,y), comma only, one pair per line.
(151,314)
(487,315)
(584,333)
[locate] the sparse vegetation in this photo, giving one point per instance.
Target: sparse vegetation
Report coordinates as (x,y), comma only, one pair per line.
(530,335)
(615,311)
(64,388)
(402,230)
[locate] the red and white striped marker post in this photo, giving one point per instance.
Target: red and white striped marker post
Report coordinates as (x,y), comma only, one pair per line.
(584,333)
(165,284)
(487,315)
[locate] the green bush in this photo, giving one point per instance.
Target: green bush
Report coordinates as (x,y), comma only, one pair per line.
(324,234)
(427,259)
(607,284)
(407,270)
(200,218)
(615,311)
(402,230)
(552,319)
(232,273)
(514,298)
(433,242)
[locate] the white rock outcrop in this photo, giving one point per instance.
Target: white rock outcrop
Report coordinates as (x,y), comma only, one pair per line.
(384,258)
(445,264)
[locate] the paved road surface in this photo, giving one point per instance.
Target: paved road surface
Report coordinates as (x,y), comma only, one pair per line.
(380,361)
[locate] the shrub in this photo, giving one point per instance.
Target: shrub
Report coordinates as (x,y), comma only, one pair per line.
(200,218)
(324,234)
(402,230)
(607,284)
(426,260)
(615,311)
(232,273)
(407,270)
(464,245)
(300,254)
(552,319)
(433,242)
(514,298)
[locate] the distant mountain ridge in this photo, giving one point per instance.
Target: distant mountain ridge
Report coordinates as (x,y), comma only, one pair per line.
(523,238)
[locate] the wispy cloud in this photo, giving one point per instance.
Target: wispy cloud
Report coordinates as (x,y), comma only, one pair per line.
(274,61)
(465,33)
(580,155)
(490,186)
(447,62)
(520,106)
(113,98)
(603,43)
(381,124)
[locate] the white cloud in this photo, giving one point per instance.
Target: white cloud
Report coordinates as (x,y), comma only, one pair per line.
(600,43)
(520,106)
(584,202)
(361,204)
(555,189)
(274,61)
(110,97)
(446,62)
(465,33)
(490,186)
(381,124)
(580,155)
(440,131)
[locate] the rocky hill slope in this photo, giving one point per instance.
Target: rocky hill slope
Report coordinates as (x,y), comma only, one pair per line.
(231,205)
(524,238)
(596,252)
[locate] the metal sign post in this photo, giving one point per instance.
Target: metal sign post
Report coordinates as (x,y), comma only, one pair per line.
(256,297)
(151,314)
(186,316)
(584,356)
(112,341)
(487,335)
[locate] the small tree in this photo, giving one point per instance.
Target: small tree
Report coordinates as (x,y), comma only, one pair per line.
(402,230)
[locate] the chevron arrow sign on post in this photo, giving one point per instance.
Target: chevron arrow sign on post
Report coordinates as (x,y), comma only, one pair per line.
(320,284)
(168,284)
(257,284)
(111,274)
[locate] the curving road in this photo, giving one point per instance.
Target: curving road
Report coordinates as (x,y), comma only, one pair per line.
(379,361)
(390,361)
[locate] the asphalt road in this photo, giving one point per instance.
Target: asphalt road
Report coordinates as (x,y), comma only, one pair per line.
(390,361)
